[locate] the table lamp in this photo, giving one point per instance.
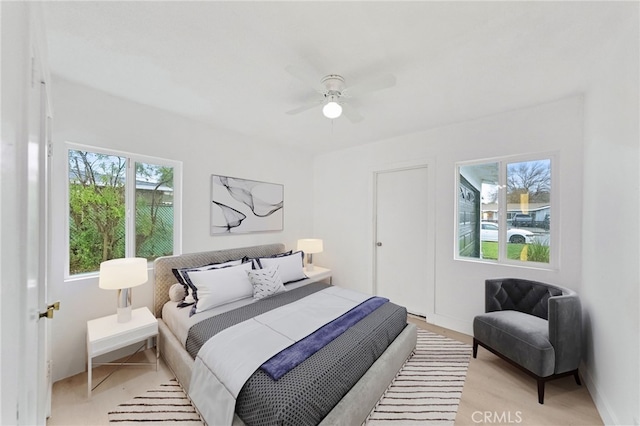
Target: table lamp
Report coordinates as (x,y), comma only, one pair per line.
(121,275)
(310,246)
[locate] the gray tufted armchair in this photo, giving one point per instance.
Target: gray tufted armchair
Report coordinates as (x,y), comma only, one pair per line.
(533,325)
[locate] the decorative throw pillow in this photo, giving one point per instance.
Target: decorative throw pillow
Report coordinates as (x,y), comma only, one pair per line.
(176,292)
(266,282)
(290,266)
(183,278)
(219,286)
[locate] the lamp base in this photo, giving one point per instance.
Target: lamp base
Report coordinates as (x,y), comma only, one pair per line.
(124,314)
(124,305)
(309,266)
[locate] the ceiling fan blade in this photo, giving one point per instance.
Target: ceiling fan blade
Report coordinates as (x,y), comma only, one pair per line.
(307,76)
(305,107)
(383,82)
(351,113)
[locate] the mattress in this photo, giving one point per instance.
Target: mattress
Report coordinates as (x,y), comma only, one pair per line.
(309,391)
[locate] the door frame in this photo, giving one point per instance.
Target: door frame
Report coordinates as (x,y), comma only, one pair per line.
(430,264)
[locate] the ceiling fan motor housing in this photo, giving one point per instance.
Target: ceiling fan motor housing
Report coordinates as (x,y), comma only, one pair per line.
(334,85)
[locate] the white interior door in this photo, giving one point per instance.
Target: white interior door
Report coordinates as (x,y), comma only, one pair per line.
(401,218)
(35,329)
(37,361)
(22,195)
(45,383)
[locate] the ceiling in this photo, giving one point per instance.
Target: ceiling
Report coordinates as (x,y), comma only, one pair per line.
(223,63)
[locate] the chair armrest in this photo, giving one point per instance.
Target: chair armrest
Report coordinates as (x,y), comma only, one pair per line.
(565,331)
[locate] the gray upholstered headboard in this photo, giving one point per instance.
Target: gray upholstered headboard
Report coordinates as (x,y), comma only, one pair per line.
(164,277)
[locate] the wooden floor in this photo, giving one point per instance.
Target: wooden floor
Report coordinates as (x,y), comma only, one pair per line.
(497,393)
(494,393)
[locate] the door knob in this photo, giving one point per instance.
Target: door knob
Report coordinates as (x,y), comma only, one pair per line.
(379,244)
(49,312)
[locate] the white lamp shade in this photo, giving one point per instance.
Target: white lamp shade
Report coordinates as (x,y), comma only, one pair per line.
(310,245)
(332,110)
(123,273)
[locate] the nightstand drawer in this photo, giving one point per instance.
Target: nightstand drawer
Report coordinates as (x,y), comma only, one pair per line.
(120,340)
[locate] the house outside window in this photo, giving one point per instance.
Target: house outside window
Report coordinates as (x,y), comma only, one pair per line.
(504,211)
(120,205)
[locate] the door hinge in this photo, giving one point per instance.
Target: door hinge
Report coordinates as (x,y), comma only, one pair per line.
(49,149)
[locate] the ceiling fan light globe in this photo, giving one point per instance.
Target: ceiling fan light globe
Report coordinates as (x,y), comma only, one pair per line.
(332,110)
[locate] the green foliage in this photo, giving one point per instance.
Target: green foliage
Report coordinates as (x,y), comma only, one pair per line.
(538,252)
(97,210)
(154,212)
(535,252)
(96,226)
(490,250)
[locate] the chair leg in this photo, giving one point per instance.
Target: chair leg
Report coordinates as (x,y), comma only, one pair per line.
(475,348)
(577,377)
(540,391)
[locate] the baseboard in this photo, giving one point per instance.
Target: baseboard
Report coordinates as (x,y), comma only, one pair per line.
(603,407)
(450,323)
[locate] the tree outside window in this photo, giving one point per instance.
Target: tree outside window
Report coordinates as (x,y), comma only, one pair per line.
(99,229)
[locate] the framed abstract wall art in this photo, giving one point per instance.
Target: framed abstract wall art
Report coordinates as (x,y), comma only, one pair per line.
(240,206)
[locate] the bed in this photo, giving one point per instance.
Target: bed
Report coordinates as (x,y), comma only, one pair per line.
(352,408)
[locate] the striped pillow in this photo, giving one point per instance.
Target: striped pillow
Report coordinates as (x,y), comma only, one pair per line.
(266,282)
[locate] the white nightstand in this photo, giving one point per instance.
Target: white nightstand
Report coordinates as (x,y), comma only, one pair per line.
(318,274)
(106,334)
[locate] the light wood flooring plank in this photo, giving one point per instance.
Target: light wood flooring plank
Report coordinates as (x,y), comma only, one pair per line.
(495,393)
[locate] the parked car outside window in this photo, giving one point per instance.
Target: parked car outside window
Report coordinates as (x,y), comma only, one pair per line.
(489,232)
(521,219)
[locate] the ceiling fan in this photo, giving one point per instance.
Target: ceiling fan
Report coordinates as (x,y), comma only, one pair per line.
(334,94)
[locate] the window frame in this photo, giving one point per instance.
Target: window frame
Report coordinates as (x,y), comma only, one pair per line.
(554,237)
(130,200)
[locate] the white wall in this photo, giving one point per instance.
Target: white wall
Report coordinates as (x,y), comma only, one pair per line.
(600,258)
(344,202)
(610,278)
(83,115)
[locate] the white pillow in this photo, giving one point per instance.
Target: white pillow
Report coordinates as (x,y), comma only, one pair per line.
(180,274)
(290,266)
(266,282)
(217,287)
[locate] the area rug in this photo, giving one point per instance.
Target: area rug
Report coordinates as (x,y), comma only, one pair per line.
(165,405)
(425,392)
(428,388)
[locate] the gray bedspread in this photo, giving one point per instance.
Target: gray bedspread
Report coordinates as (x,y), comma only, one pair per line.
(307,393)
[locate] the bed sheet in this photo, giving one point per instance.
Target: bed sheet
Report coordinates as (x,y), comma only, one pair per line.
(179,321)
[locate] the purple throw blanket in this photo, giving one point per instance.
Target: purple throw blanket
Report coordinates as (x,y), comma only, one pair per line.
(284,361)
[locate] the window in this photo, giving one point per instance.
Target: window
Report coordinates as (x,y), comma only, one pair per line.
(120,205)
(504,211)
